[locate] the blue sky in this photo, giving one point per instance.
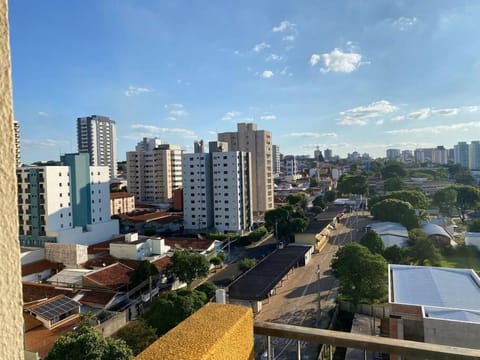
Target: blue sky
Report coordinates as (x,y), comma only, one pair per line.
(348,75)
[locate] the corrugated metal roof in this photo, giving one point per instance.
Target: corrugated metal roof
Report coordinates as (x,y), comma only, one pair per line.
(452,314)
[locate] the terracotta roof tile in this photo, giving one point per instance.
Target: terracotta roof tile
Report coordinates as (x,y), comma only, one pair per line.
(39,266)
(107,260)
(96,297)
(120,195)
(113,276)
(35,292)
(161,263)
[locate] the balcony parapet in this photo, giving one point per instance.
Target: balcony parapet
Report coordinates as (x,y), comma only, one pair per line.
(215,332)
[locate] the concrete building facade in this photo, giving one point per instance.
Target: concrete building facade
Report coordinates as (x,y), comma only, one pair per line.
(276,160)
(462,154)
(259,143)
(121,203)
(97,136)
(474,155)
(154,170)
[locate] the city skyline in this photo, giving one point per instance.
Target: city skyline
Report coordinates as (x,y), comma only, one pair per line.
(348,76)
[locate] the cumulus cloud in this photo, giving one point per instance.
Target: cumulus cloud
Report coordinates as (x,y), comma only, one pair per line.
(134,90)
(361,114)
(151,130)
(230,115)
(261,46)
(312,134)
(273,57)
(446,111)
(175,111)
(267,74)
(289,38)
(314,59)
(42,113)
(380,122)
(436,129)
(339,61)
(268,117)
(284,26)
(420,114)
(404,23)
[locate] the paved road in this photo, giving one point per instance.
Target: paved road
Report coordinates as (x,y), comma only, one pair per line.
(310,292)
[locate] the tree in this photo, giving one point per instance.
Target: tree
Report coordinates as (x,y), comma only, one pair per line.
(422,251)
(362,275)
(86,343)
(352,184)
(168,310)
(393,184)
(208,289)
(313,182)
(329,196)
(137,335)
(416,198)
(142,273)
(298,199)
(319,201)
(373,242)
(286,221)
(393,169)
(394,254)
(446,200)
(467,197)
(474,225)
(188,266)
(216,261)
(397,211)
(246,263)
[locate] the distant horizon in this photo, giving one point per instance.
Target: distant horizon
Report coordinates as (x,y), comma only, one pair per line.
(348,76)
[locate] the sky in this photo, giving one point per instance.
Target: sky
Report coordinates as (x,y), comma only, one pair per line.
(345,75)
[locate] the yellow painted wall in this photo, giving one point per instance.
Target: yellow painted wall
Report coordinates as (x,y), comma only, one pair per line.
(215,332)
(11,317)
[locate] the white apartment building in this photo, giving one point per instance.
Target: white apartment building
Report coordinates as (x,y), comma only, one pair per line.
(259,144)
(440,155)
(393,154)
(462,154)
(154,170)
(96,135)
(217,190)
(65,204)
(290,165)
(474,154)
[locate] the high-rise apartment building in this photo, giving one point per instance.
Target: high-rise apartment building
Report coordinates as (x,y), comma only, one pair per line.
(393,154)
(290,165)
(217,190)
(462,154)
(96,135)
(16,129)
(474,155)
(154,170)
(65,204)
(440,155)
(276,156)
(259,144)
(328,155)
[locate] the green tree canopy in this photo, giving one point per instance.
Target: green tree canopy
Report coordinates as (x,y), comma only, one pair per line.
(397,211)
(474,225)
(319,201)
(393,184)
(85,343)
(138,335)
(298,199)
(416,198)
(461,174)
(394,255)
(208,289)
(422,250)
(142,273)
(330,196)
(168,310)
(286,221)
(352,184)
(393,169)
(373,242)
(246,263)
(362,275)
(188,266)
(467,197)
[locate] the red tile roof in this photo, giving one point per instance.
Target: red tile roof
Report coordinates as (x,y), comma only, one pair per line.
(113,276)
(96,297)
(161,263)
(120,195)
(107,260)
(35,291)
(39,266)
(103,246)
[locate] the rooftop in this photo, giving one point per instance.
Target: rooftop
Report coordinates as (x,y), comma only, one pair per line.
(112,276)
(120,195)
(39,266)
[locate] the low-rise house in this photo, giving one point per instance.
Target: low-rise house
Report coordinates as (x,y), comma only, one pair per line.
(113,277)
(155,222)
(390,232)
(40,270)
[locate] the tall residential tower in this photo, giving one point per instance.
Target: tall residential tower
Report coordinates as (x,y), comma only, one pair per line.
(96,135)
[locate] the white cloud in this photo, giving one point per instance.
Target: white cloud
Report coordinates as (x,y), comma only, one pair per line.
(284,26)
(361,114)
(315,58)
(312,134)
(230,115)
(42,113)
(338,61)
(436,129)
(152,130)
(267,74)
(471,109)
(133,90)
(420,114)
(404,23)
(268,117)
(289,38)
(285,71)
(273,57)
(261,46)
(175,111)
(446,111)
(44,143)
(380,122)
(398,118)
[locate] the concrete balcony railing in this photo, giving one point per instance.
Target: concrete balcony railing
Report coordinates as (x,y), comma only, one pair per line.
(226,332)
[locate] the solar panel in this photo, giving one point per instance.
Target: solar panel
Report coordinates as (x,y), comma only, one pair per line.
(56,308)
